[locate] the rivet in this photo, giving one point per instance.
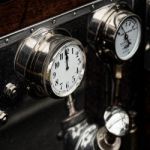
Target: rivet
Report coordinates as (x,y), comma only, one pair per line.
(74,13)
(6,40)
(31,30)
(54,21)
(93,7)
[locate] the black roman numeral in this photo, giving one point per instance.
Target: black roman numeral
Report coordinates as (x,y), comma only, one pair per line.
(61,85)
(56,82)
(77,70)
(54,74)
(56,65)
(73,79)
(79,60)
(77,54)
(61,56)
(67,50)
(129,23)
(67,85)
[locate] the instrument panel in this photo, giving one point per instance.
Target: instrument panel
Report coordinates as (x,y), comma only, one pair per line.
(61,60)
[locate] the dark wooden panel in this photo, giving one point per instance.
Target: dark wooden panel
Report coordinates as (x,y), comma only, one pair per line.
(17,14)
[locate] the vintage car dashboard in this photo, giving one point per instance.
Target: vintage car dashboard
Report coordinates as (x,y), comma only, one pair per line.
(70,74)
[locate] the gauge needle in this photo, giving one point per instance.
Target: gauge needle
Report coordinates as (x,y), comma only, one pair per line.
(66,56)
(126,38)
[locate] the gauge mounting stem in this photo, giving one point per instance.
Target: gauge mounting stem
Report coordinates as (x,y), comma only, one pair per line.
(70,104)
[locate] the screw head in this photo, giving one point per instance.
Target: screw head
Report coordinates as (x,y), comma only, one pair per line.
(93,7)
(54,21)
(74,13)
(6,40)
(31,30)
(10,90)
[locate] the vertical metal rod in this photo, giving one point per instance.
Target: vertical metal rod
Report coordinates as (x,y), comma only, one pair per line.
(70,105)
(118,77)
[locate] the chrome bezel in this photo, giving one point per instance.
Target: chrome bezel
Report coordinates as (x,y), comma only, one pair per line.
(28,48)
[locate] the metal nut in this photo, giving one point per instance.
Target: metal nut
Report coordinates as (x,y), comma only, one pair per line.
(10,90)
(3,117)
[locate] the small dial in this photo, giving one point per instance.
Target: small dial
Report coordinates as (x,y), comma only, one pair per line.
(128,38)
(67,69)
(116,31)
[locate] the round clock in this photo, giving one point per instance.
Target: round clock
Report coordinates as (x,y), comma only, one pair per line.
(67,68)
(116,31)
(53,61)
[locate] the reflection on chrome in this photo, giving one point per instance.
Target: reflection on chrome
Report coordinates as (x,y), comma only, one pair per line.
(116,121)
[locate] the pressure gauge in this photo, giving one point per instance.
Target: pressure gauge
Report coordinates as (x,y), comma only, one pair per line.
(128,38)
(115,30)
(53,61)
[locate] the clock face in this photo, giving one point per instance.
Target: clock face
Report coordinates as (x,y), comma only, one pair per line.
(128,38)
(67,69)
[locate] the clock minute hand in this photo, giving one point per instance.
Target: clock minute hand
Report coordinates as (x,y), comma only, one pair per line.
(66,56)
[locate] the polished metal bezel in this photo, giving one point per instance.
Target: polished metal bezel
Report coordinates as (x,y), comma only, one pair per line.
(98,18)
(26,49)
(47,71)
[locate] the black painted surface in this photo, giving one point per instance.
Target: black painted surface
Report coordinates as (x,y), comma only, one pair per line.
(38,131)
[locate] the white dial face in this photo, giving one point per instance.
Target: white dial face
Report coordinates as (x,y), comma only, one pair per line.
(128,38)
(67,69)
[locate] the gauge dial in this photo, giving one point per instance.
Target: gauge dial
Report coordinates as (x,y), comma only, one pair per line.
(67,69)
(115,31)
(128,38)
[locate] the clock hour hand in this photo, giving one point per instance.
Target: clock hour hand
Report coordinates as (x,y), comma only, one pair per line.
(67,58)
